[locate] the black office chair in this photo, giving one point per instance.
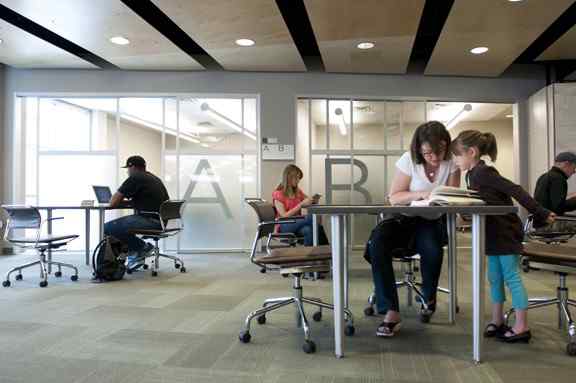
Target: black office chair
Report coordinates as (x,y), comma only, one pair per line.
(547,249)
(23,217)
(170,213)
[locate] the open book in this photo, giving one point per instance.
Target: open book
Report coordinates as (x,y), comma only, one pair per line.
(450,196)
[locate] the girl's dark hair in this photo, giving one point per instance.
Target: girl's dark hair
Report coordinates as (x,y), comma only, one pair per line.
(436,135)
(484,142)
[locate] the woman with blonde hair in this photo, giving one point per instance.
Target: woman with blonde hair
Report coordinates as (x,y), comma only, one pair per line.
(289,200)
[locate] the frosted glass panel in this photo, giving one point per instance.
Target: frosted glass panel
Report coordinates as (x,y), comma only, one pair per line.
(205,150)
(63,126)
(369,125)
(339,120)
(318,121)
(394,139)
(56,188)
(213,215)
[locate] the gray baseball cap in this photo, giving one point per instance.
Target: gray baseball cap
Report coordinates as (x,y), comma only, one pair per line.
(566,157)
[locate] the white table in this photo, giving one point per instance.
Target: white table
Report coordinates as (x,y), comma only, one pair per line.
(87,210)
(340,249)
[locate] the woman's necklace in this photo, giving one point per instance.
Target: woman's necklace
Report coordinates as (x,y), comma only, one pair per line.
(431,173)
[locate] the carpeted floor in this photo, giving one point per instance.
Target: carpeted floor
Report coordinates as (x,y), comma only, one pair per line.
(178,328)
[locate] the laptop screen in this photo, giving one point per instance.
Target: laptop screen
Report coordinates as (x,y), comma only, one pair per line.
(103,194)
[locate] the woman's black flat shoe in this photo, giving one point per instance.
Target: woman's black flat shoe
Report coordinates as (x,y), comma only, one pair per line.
(492,330)
(523,337)
(427,312)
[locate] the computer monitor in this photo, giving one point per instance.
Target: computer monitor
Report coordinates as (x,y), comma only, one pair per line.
(103,194)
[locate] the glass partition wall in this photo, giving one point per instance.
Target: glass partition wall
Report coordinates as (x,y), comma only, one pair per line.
(205,150)
(348,149)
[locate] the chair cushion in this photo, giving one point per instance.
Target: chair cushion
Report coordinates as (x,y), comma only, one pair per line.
(297,255)
(549,253)
(44,239)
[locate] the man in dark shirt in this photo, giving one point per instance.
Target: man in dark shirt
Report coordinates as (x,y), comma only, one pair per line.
(146,192)
(552,187)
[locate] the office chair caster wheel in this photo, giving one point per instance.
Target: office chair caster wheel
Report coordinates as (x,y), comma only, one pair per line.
(6,283)
(309,347)
(245,337)
(58,274)
(263,270)
(145,266)
(18,277)
(43,283)
(317,316)
(571,349)
(154,273)
(261,319)
(177,265)
(182,269)
(369,311)
(73,278)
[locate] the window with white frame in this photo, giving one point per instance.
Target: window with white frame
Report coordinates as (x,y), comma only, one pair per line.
(205,150)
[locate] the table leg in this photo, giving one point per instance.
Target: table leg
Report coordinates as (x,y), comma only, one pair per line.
(87,216)
(49,231)
(338,249)
(347,249)
(478,261)
(101,217)
(452,254)
(314,230)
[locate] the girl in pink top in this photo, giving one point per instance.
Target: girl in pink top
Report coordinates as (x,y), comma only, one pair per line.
(289,200)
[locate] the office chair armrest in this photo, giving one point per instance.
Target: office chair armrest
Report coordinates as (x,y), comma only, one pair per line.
(53,219)
(281,220)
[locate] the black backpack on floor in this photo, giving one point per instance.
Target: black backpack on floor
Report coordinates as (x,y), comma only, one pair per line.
(108,260)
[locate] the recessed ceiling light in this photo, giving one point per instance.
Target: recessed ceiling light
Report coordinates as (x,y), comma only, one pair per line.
(365,45)
(245,42)
(509,116)
(479,50)
(515,1)
(119,40)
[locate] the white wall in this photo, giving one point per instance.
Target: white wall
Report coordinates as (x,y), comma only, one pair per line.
(277,92)
(565,122)
(539,129)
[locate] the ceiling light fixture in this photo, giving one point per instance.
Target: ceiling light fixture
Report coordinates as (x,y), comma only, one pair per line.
(515,1)
(459,116)
(509,116)
(245,42)
(205,107)
(119,40)
(341,121)
(365,45)
(479,50)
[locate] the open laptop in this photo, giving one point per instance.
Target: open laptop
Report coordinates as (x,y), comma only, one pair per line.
(103,194)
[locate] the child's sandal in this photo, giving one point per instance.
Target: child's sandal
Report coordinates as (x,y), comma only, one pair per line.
(492,330)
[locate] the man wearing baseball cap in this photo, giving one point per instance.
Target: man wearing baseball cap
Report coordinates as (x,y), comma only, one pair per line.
(552,187)
(146,192)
